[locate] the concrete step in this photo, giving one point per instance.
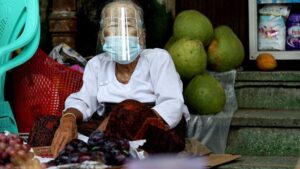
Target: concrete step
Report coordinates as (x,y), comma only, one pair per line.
(264,141)
(265,133)
(266,118)
(263,162)
(270,90)
(270,76)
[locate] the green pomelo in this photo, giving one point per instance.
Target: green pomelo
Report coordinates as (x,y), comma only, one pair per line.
(226,51)
(193,24)
(170,42)
(205,95)
(189,57)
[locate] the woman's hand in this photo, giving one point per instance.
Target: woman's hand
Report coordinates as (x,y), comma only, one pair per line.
(66,131)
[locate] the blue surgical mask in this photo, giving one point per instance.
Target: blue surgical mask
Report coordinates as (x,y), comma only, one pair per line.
(122,49)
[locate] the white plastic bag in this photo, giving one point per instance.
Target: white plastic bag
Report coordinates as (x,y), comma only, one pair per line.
(62,52)
(212,130)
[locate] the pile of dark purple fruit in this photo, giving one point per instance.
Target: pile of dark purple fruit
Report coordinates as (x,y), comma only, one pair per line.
(99,147)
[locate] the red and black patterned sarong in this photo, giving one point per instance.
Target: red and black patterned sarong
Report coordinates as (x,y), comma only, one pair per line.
(134,120)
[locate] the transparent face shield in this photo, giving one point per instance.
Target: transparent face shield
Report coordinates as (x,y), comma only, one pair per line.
(121,31)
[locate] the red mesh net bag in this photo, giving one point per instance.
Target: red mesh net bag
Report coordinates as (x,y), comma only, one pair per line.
(41,87)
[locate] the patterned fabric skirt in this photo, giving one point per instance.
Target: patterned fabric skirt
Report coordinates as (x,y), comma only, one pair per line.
(132,120)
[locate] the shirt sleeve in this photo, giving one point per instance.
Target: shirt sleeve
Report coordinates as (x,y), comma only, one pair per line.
(85,100)
(167,87)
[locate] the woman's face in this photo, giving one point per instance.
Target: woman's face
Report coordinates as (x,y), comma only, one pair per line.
(113,28)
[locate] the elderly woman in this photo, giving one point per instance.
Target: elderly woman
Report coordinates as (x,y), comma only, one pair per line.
(136,91)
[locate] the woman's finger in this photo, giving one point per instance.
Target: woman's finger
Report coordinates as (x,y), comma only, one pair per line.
(62,139)
(61,144)
(54,142)
(57,144)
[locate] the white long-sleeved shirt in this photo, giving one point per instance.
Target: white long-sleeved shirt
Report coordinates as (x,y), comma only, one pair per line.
(154,80)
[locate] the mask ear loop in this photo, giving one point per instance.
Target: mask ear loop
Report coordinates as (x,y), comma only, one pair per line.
(141,31)
(141,34)
(142,39)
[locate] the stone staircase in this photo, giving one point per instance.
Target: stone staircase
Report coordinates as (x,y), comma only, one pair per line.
(266,128)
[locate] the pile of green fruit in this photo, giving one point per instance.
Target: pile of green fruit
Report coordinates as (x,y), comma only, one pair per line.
(196,47)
